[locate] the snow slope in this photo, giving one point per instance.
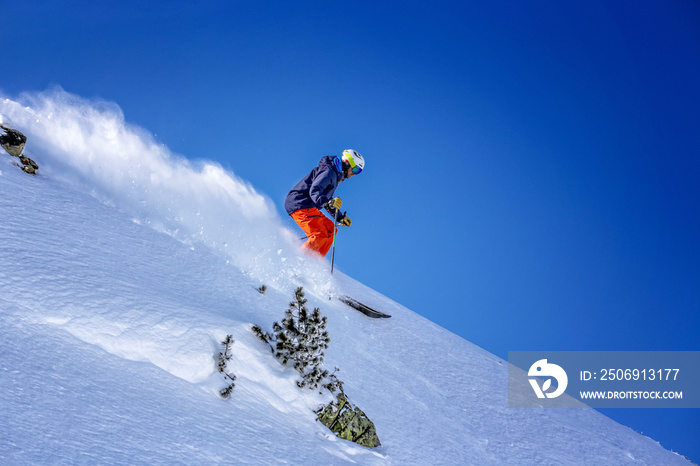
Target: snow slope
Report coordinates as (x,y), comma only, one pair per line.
(122,267)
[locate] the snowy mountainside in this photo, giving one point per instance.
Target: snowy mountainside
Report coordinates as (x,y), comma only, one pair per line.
(112,312)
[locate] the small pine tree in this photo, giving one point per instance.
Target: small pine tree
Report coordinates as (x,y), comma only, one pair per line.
(301,338)
(260,333)
(221,362)
(334,383)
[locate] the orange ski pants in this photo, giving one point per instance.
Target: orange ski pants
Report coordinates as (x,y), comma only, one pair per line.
(317,227)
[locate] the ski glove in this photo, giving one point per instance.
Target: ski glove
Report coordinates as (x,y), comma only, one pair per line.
(345,221)
(334,204)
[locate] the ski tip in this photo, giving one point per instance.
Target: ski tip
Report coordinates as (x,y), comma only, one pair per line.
(363,308)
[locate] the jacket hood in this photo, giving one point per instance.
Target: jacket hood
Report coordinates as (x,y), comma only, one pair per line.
(332,161)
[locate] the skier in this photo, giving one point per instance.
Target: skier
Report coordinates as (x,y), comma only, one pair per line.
(316,191)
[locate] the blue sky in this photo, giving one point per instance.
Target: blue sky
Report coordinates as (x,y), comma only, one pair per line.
(531,179)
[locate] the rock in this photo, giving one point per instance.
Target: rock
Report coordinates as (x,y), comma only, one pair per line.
(28,165)
(12,140)
(348,422)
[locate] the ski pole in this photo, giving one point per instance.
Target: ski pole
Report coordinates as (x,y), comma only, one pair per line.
(335,230)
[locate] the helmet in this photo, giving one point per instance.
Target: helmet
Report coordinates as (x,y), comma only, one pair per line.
(354,160)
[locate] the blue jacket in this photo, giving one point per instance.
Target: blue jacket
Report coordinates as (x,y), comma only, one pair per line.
(317,188)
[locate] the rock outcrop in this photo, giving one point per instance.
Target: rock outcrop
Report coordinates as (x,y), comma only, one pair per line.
(13,142)
(349,422)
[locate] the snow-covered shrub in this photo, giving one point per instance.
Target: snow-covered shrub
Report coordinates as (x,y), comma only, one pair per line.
(333,382)
(222,360)
(301,338)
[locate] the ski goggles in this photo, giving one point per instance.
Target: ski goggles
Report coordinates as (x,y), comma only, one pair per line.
(355,169)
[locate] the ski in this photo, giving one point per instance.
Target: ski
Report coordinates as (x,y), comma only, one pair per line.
(363,308)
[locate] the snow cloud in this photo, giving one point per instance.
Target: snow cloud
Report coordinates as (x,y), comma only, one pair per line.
(88,142)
